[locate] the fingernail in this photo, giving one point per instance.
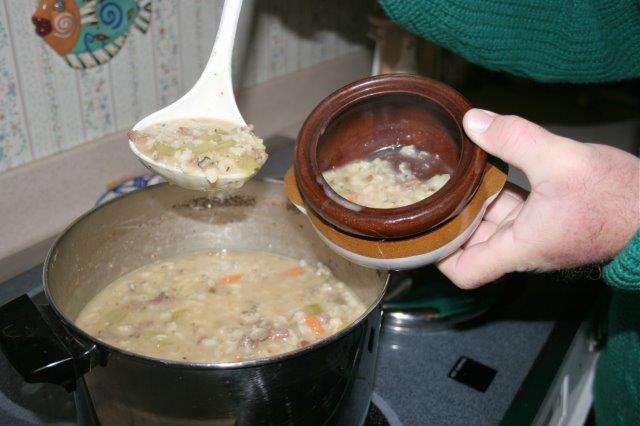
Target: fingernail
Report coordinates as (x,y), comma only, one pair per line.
(478,120)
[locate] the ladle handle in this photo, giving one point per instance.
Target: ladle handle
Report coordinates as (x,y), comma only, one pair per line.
(222,52)
(39,350)
(214,88)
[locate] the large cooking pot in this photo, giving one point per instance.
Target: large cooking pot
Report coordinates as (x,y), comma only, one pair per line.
(328,382)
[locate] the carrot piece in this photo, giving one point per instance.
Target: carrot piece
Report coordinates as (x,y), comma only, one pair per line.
(293,272)
(229,278)
(314,324)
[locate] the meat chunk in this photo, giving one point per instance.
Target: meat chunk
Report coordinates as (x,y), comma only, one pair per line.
(161,297)
(137,137)
(278,333)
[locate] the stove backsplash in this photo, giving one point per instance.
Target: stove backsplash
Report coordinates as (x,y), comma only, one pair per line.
(47,107)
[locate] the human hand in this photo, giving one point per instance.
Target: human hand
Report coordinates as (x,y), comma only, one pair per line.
(584,204)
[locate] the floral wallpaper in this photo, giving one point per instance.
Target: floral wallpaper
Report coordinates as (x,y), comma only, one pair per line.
(97,102)
(47,107)
(50,94)
(14,145)
(165,32)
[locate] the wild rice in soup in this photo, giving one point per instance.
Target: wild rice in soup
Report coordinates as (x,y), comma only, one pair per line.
(385,179)
(220,306)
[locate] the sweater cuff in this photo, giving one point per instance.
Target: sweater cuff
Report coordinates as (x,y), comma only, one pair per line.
(624,270)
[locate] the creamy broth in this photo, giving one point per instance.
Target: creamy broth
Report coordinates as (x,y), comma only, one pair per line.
(220,306)
(380,182)
(202,147)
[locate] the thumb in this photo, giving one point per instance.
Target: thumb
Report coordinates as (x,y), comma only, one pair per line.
(512,139)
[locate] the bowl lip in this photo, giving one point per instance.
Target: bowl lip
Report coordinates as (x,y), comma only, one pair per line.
(395,222)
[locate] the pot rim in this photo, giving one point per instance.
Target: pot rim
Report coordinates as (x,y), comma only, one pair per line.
(396,222)
(257,362)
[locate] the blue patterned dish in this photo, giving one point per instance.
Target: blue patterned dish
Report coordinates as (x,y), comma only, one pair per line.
(128,186)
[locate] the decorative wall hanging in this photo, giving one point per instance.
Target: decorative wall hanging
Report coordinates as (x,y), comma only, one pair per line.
(88,33)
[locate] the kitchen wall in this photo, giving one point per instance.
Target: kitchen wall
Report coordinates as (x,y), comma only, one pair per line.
(47,107)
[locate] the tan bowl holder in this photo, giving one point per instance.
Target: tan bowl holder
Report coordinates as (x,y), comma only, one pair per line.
(494,178)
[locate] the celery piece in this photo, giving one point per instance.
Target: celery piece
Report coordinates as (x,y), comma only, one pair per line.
(209,146)
(224,144)
(247,162)
(176,315)
(314,309)
(163,149)
(207,137)
(116,315)
(200,148)
(148,334)
(163,343)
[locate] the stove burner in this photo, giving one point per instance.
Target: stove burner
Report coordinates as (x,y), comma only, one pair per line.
(425,300)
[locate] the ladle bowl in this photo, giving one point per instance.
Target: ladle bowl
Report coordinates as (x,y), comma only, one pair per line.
(210,98)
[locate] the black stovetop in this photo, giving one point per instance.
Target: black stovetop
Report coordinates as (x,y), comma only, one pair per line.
(495,368)
(475,373)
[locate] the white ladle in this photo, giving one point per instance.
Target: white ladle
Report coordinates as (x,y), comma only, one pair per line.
(211,97)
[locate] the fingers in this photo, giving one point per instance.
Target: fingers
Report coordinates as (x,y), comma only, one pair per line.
(506,202)
(512,139)
(489,255)
(469,266)
(491,252)
(484,231)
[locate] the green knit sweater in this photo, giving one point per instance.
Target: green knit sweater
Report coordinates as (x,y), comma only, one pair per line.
(547,40)
(617,387)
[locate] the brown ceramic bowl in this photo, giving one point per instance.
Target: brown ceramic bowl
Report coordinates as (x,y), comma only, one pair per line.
(378,112)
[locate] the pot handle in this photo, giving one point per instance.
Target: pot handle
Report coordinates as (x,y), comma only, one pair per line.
(39,347)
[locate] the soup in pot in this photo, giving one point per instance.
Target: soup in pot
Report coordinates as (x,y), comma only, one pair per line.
(221,306)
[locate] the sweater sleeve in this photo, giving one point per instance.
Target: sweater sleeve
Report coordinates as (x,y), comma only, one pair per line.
(547,40)
(624,271)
